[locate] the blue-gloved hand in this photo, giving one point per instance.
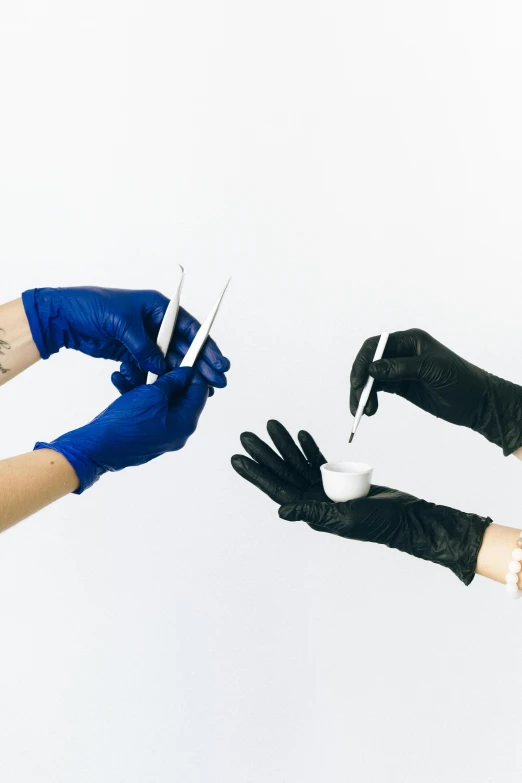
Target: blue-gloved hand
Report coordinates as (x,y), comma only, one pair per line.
(111,323)
(136,428)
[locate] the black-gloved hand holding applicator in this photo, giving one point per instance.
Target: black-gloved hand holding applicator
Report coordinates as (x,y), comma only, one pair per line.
(443,535)
(425,372)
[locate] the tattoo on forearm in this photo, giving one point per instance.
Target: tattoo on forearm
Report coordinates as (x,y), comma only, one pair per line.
(4,346)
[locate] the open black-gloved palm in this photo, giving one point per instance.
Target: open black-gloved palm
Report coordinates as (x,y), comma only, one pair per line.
(440,534)
(423,371)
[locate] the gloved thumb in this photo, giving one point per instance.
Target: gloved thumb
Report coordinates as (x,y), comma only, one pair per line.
(121,383)
(175,382)
(144,349)
(316,512)
(407,368)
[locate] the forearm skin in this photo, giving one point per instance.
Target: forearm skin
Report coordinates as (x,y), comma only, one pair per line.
(17,348)
(29,482)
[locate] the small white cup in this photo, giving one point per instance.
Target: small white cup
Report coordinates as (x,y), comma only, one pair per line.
(346,480)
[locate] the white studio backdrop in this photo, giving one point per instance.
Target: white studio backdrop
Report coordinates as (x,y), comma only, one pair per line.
(355,167)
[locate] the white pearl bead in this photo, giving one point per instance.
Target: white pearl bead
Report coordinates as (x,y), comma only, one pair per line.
(511,588)
(511,579)
(514,567)
(518,594)
(516,554)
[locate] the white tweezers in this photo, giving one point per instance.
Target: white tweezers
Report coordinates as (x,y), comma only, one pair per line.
(169,324)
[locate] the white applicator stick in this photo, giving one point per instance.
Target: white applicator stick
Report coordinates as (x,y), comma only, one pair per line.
(381,345)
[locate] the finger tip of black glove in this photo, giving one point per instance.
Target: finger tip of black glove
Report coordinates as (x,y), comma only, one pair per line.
(246,438)
(287,512)
(237,461)
(371,406)
(273,427)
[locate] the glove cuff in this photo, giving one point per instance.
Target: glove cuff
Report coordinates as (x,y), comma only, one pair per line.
(43,320)
(500,421)
(30,303)
(473,530)
(445,536)
(86,470)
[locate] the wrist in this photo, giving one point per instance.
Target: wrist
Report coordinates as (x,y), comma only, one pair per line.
(43,315)
(452,538)
(500,420)
(86,469)
(495,553)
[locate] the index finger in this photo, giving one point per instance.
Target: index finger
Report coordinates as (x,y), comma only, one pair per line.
(264,479)
(399,344)
(187,327)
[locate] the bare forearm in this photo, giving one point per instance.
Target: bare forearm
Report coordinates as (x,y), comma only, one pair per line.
(32,481)
(495,552)
(17,348)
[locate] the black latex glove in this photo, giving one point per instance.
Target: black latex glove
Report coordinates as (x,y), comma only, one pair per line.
(443,535)
(425,372)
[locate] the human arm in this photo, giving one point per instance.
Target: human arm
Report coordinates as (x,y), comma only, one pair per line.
(17,347)
(418,368)
(138,427)
(463,542)
(29,482)
(495,553)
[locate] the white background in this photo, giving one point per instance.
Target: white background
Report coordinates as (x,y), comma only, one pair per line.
(355,166)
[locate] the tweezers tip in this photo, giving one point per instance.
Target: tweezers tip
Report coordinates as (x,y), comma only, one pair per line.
(351,437)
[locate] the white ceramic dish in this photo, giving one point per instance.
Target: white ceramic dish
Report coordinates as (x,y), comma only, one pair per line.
(346,480)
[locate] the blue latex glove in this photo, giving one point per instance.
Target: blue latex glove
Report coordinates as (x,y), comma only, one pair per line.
(117,324)
(136,428)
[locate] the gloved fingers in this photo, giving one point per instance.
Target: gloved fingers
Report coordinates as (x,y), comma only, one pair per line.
(372,406)
(208,371)
(192,402)
(263,478)
(317,513)
(187,327)
(396,369)
(121,383)
(175,359)
(174,383)
(199,377)
(129,377)
(143,348)
(311,450)
(400,344)
(286,446)
(359,372)
(264,455)
(133,374)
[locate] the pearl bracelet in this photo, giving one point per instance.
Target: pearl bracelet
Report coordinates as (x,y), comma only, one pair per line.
(514,569)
